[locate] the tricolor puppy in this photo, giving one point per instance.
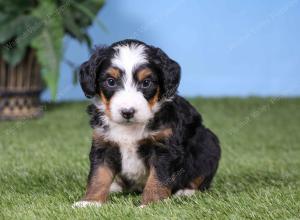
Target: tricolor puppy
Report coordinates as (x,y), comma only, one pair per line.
(146,138)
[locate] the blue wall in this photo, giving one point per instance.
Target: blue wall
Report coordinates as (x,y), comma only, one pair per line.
(225,48)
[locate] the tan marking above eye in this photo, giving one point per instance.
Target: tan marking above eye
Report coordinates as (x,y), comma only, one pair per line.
(143,73)
(114,72)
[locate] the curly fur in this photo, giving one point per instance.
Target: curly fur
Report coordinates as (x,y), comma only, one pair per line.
(186,152)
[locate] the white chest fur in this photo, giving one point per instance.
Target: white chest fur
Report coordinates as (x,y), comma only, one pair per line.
(133,167)
(127,138)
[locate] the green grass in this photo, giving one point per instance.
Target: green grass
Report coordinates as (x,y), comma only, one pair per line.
(44,164)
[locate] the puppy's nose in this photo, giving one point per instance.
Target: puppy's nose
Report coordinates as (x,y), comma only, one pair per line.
(127,113)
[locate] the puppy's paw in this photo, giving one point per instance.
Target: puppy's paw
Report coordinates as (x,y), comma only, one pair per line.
(84,204)
(185,192)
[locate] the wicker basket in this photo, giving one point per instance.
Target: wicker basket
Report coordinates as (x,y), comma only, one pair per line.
(20,88)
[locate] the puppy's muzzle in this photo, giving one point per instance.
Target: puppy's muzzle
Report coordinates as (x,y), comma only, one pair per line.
(127,113)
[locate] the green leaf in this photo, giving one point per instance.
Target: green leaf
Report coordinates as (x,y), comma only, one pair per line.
(49,44)
(13,55)
(3,17)
(72,27)
(75,70)
(75,76)
(15,40)
(15,27)
(89,13)
(41,24)
(88,41)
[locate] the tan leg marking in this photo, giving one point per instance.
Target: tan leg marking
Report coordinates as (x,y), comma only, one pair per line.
(99,185)
(154,189)
(195,184)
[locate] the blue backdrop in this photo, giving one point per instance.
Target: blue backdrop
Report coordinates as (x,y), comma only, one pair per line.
(225,48)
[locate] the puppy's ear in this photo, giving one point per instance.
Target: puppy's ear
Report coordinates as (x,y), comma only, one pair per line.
(170,70)
(88,72)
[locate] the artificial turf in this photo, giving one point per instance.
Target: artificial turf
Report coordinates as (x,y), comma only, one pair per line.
(44,165)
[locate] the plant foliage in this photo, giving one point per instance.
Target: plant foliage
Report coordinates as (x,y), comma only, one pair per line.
(42,24)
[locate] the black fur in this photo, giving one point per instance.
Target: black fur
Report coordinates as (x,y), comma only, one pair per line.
(89,71)
(191,151)
(170,71)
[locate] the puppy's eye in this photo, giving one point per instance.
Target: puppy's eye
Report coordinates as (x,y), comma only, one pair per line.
(146,83)
(111,82)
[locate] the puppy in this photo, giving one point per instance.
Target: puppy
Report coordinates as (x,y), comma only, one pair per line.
(146,138)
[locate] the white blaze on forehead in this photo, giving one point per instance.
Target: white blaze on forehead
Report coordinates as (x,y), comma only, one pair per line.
(127,58)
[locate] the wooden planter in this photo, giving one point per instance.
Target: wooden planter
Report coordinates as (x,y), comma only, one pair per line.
(20,88)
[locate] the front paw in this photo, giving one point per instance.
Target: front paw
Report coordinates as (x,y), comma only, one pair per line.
(155,195)
(84,204)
